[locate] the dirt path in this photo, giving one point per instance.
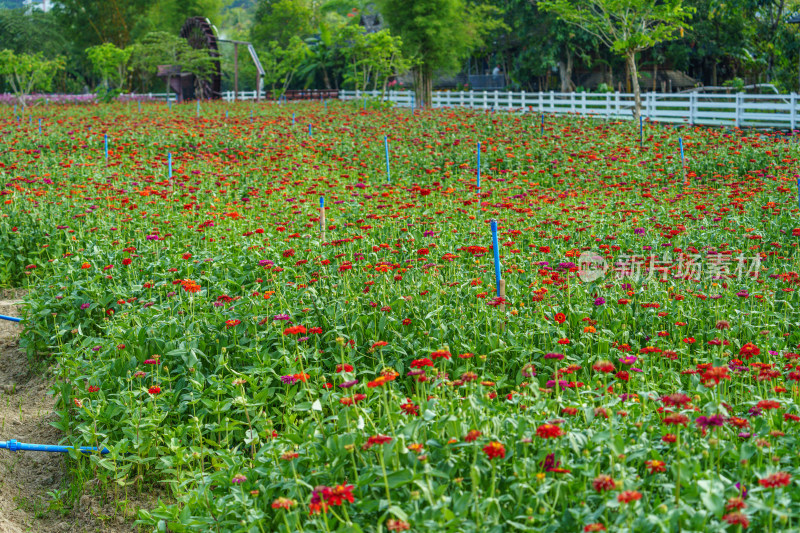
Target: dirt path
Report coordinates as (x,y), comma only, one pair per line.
(30,481)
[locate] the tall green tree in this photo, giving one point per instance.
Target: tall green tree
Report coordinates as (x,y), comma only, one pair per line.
(110,62)
(626,26)
(26,73)
(438,34)
(160,48)
(280,20)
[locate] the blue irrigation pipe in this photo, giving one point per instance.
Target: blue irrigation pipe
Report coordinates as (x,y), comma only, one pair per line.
(496,249)
(386,149)
(15,446)
(478,181)
(680,144)
(15,319)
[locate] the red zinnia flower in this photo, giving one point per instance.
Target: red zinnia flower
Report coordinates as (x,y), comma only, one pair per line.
(495,449)
(410,408)
(154,389)
(737,518)
(655,465)
(629,496)
(295,330)
(749,350)
(472,435)
(283,503)
(338,494)
(560,318)
(715,374)
(603,483)
(778,479)
(549,431)
(597,526)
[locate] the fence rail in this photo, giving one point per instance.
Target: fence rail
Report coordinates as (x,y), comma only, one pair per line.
(738,110)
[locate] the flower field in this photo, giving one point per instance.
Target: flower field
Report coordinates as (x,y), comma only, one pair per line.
(281,371)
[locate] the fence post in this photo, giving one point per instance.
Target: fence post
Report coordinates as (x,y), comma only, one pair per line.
(617,102)
(471,98)
(738,119)
(691,108)
(552,102)
(461,98)
(540,96)
(793,111)
(485,100)
(583,102)
(522,101)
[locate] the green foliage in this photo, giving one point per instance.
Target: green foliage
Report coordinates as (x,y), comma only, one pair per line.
(161,48)
(28,72)
(110,62)
(438,34)
(373,57)
(625,26)
(281,20)
(282,63)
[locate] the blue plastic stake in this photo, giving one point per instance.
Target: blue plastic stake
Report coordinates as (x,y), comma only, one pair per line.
(198,108)
(169,103)
(541,129)
(309,130)
(798,192)
(140,106)
(15,319)
(15,446)
(40,126)
(386,148)
(226,114)
(292,119)
(322,202)
(326,106)
(105,145)
(683,163)
(478,182)
(496,249)
(169,164)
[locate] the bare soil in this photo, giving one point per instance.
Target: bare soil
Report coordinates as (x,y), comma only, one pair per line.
(34,485)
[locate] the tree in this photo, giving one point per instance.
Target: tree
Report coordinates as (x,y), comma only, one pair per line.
(160,48)
(280,20)
(438,34)
(280,64)
(110,62)
(625,26)
(28,72)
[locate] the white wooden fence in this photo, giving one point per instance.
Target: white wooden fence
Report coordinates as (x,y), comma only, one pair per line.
(739,110)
